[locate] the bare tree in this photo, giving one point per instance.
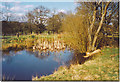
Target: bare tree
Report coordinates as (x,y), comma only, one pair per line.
(6,12)
(38,15)
(100,13)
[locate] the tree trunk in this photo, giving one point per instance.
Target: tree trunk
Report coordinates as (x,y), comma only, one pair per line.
(90,30)
(91,27)
(100,25)
(92,53)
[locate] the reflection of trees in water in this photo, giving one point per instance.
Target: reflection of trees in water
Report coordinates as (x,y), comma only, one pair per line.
(61,59)
(5,52)
(57,57)
(8,59)
(7,56)
(10,53)
(40,54)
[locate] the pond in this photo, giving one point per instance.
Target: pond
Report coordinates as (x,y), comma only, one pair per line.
(22,65)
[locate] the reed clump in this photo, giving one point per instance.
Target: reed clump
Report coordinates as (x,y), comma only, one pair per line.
(36,42)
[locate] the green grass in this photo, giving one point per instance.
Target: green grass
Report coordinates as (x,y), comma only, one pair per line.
(104,66)
(14,42)
(24,41)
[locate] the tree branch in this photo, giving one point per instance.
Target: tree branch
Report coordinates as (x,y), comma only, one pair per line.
(100,25)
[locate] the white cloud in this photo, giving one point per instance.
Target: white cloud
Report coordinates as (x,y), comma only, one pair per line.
(28,6)
(9,14)
(16,8)
(14,14)
(18,2)
(21,8)
(1,6)
(19,14)
(25,10)
(62,10)
(7,0)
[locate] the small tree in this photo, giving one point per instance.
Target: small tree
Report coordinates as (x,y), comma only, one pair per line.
(38,17)
(54,23)
(7,14)
(75,28)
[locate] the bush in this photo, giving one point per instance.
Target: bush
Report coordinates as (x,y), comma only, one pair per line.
(75,29)
(29,42)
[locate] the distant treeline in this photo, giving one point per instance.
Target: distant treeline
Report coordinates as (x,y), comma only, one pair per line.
(14,27)
(38,20)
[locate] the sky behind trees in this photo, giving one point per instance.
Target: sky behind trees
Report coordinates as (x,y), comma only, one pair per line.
(21,8)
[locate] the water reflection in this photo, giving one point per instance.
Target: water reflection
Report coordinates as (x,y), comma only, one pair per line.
(26,63)
(78,58)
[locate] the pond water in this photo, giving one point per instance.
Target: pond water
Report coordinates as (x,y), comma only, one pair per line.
(22,65)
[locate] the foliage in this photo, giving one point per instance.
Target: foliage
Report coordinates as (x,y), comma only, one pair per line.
(54,22)
(75,28)
(29,42)
(12,28)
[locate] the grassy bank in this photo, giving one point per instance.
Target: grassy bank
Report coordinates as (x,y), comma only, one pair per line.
(102,67)
(16,43)
(25,41)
